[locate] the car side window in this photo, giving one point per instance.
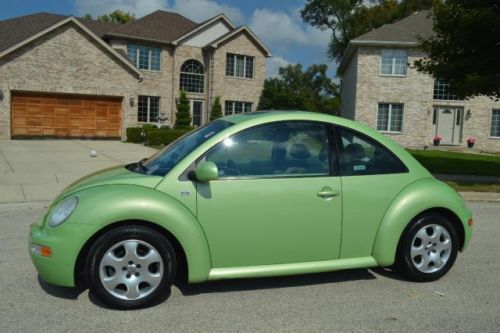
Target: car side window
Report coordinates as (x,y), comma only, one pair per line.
(274,150)
(360,155)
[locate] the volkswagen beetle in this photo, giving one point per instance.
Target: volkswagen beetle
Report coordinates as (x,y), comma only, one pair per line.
(251,195)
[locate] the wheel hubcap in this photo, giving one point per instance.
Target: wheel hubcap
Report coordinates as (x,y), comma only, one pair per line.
(431,248)
(131,269)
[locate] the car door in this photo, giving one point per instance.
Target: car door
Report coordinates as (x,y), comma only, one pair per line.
(277,199)
(372,176)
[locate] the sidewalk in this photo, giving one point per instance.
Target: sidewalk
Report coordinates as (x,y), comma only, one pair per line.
(481,196)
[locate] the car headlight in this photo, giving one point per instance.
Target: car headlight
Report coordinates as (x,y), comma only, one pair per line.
(62,211)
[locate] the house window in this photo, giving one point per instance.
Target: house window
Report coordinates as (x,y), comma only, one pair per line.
(148,109)
(495,123)
(144,57)
(233,107)
(192,77)
(390,117)
(442,91)
(239,65)
(394,62)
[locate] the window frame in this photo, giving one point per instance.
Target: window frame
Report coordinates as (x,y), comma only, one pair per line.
(244,106)
(194,75)
(491,123)
(137,56)
(441,92)
(234,70)
(148,109)
(393,63)
(389,118)
(333,163)
(369,139)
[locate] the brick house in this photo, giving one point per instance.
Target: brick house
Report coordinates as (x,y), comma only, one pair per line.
(381,87)
(62,76)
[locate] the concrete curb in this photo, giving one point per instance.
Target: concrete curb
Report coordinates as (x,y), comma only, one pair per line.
(481,196)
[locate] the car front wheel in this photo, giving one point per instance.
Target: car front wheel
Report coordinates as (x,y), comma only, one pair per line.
(131,267)
(428,248)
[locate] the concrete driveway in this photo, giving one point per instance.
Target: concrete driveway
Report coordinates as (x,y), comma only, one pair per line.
(37,170)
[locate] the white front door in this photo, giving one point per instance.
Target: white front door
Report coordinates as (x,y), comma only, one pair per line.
(449,123)
(196,113)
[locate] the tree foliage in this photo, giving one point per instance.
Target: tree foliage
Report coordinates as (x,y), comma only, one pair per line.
(295,89)
(216,109)
(116,16)
(348,19)
(465,51)
(182,117)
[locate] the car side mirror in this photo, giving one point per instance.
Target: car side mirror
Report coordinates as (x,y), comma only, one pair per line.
(206,171)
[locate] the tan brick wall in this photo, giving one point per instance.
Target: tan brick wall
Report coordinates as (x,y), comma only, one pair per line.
(415,91)
(66,61)
(234,88)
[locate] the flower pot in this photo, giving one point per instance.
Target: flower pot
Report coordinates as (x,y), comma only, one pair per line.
(436,142)
(470,144)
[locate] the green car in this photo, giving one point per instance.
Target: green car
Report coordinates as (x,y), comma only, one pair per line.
(251,195)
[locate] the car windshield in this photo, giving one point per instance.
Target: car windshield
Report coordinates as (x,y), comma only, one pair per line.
(163,161)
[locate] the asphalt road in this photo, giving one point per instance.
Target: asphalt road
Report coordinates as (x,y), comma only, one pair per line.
(466,300)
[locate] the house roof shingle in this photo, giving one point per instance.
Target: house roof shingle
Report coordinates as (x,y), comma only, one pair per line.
(15,30)
(408,29)
(158,26)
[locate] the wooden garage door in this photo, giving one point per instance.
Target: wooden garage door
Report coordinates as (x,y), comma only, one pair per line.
(65,116)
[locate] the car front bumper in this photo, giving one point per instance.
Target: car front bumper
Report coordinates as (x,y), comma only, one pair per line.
(65,243)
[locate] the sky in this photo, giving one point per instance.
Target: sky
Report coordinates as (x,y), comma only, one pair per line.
(277,23)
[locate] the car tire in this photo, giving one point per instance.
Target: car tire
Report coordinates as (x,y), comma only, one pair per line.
(131,267)
(428,248)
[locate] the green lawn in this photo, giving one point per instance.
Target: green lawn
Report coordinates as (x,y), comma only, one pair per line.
(437,161)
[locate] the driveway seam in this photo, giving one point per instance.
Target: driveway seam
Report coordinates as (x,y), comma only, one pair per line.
(7,162)
(24,194)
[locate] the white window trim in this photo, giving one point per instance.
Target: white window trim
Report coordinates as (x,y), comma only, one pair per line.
(245,57)
(148,109)
(393,65)
(233,107)
(150,57)
(491,123)
(389,118)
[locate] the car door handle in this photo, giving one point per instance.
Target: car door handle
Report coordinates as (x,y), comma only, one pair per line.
(328,193)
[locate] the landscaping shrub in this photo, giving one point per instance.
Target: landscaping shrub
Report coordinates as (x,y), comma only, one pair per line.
(155,136)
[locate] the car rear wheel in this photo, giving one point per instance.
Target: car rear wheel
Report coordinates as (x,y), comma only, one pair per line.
(428,248)
(131,267)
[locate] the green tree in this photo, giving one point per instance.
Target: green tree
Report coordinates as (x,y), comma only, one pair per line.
(348,19)
(116,16)
(465,51)
(295,89)
(216,109)
(182,117)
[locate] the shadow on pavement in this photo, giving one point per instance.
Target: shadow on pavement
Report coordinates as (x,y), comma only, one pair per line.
(60,292)
(274,282)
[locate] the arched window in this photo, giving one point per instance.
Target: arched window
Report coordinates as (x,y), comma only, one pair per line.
(192,76)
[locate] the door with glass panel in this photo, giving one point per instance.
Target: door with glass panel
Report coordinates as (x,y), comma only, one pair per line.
(196,113)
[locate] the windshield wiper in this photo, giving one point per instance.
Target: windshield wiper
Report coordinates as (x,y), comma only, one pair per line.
(138,166)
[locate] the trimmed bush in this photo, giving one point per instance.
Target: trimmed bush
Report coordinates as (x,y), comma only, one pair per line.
(155,136)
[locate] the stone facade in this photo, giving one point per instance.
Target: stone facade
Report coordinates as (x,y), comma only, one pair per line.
(363,88)
(66,60)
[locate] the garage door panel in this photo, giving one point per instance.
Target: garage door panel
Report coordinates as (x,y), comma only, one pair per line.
(65,115)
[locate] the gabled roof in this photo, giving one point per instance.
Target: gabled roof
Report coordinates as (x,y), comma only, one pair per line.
(15,30)
(204,24)
(159,26)
(37,30)
(405,32)
(242,29)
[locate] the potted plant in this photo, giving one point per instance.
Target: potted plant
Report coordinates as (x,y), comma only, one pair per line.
(436,140)
(471,142)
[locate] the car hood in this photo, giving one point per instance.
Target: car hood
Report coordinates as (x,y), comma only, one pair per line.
(111,176)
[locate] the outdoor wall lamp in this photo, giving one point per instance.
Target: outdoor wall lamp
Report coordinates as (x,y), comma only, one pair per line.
(131,101)
(1,95)
(469,112)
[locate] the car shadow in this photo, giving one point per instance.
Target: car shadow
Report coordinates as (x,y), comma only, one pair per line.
(233,285)
(389,273)
(61,292)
